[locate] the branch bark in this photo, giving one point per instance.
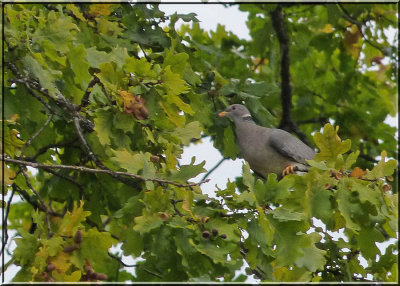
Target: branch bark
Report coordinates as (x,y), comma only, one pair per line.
(286,123)
(101,171)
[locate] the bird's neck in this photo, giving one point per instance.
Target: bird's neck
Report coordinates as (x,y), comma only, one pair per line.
(242,123)
(247,118)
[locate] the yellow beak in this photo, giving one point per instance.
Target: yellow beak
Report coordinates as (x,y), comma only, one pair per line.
(223,113)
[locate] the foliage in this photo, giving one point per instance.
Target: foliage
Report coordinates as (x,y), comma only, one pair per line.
(119,90)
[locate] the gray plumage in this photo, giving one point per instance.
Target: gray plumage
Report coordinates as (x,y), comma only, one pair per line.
(267,150)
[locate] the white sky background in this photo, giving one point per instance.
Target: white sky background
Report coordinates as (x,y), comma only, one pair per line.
(234,20)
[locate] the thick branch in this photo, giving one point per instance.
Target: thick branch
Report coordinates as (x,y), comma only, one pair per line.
(286,93)
(109,172)
(286,90)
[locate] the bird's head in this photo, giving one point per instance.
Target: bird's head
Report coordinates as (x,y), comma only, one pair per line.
(235,112)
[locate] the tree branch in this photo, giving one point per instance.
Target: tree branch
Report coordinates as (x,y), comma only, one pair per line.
(69,108)
(213,169)
(33,202)
(29,142)
(5,230)
(85,98)
(286,94)
(94,171)
(359,25)
(286,89)
(133,265)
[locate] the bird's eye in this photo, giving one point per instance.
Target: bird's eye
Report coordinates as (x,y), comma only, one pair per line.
(233,108)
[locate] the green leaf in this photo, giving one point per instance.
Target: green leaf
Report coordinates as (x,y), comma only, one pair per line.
(133,243)
(103,126)
(330,144)
(173,114)
(321,205)
(351,159)
(133,163)
(77,59)
(321,165)
(285,214)
(43,73)
(54,245)
(248,178)
(273,190)
(367,239)
(383,168)
(147,222)
(265,226)
(98,255)
(313,258)
(229,148)
(187,172)
(26,248)
(111,76)
(173,83)
(139,67)
(191,130)
(347,206)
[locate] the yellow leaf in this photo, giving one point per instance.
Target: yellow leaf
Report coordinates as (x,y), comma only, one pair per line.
(170,157)
(72,220)
(9,175)
(62,262)
(173,114)
(100,9)
(327,29)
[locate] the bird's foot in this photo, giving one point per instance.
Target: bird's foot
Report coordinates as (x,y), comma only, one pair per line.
(289,170)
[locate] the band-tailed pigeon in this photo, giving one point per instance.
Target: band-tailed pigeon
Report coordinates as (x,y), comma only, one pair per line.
(267,150)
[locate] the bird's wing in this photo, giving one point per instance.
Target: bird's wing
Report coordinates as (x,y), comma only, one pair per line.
(289,146)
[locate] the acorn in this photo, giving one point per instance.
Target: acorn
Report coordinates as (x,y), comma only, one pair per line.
(50,267)
(78,236)
(99,276)
(70,248)
(164,216)
(214,232)
(89,270)
(387,187)
(154,158)
(223,236)
(206,234)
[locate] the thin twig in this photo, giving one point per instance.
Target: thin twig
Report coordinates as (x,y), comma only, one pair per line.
(109,172)
(28,183)
(39,98)
(85,99)
(133,265)
(33,202)
(55,145)
(113,256)
(82,139)
(29,142)
(173,202)
(213,169)
(71,109)
(359,26)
